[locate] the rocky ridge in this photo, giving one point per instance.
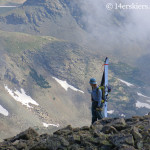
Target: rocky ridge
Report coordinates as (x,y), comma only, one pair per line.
(106,134)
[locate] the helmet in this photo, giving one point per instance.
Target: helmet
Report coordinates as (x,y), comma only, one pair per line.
(92,81)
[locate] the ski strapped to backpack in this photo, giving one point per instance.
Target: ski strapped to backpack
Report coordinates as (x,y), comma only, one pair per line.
(104,84)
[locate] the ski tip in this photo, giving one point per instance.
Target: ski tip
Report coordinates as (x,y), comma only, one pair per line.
(106,59)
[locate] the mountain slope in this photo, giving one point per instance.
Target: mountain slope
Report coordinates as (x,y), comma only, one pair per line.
(28,65)
(51,18)
(21,71)
(71,21)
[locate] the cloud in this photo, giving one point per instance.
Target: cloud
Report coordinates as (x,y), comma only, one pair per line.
(126,30)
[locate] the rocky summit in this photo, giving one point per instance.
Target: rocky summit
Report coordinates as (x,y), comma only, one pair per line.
(106,134)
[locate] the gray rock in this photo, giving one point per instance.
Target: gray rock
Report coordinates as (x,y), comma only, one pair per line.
(126,147)
(75,138)
(97,128)
(105,121)
(109,129)
(139,144)
(137,136)
(22,145)
(74,147)
(16,142)
(85,128)
(121,139)
(119,124)
(65,131)
(51,143)
(64,142)
(26,135)
(9,148)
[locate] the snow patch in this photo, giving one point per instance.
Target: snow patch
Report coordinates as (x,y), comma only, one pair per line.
(65,85)
(21,97)
(141,105)
(127,83)
(122,115)
(47,125)
(110,111)
(3,111)
(139,94)
(7,6)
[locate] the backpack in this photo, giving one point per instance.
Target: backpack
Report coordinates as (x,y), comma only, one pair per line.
(103,92)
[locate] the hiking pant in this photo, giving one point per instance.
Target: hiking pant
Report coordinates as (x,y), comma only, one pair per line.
(95,114)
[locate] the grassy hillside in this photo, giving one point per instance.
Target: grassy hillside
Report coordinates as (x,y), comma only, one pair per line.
(14,42)
(7,2)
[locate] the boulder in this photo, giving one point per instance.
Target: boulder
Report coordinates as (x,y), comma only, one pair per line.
(137,136)
(51,143)
(119,124)
(109,129)
(85,128)
(120,139)
(26,135)
(65,131)
(126,147)
(139,144)
(97,127)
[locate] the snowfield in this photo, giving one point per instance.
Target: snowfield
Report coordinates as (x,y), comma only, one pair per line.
(65,85)
(3,111)
(139,94)
(125,82)
(110,111)
(47,125)
(21,97)
(140,105)
(122,115)
(7,6)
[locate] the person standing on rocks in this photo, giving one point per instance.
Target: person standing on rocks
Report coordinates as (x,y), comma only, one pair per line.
(96,98)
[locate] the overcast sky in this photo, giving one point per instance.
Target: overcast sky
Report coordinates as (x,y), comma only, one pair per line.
(118,28)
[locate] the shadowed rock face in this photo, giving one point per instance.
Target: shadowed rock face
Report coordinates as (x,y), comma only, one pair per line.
(132,134)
